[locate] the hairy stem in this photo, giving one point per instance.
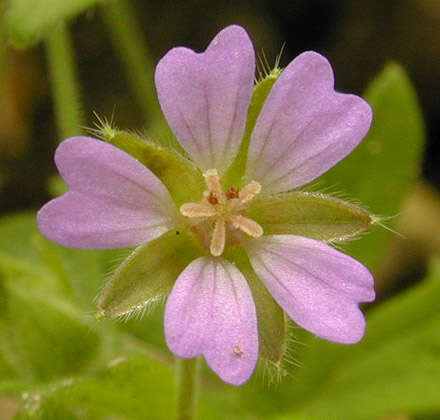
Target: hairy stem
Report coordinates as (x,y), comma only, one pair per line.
(188,381)
(63,78)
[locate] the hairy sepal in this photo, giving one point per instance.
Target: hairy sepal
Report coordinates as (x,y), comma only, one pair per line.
(182,179)
(148,274)
(313,215)
(272,323)
(236,171)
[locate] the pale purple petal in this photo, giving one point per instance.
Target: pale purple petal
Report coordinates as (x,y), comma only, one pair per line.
(305,127)
(211,312)
(318,286)
(205,96)
(113,200)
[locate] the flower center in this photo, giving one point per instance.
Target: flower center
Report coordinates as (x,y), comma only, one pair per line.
(219,212)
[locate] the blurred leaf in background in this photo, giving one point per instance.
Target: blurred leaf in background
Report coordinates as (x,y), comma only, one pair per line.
(26,28)
(131,388)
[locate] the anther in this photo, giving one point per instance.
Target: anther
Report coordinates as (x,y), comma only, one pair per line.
(233,192)
(214,185)
(212,199)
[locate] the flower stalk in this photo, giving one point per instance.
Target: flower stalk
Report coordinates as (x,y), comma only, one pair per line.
(187,384)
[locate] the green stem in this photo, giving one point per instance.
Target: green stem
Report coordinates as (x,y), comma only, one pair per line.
(63,76)
(188,381)
(2,39)
(127,38)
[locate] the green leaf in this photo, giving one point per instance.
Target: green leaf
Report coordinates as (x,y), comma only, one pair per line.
(272,325)
(148,273)
(79,272)
(379,173)
(183,180)
(131,387)
(43,337)
(312,215)
(395,369)
(29,20)
(62,272)
(21,227)
(20,258)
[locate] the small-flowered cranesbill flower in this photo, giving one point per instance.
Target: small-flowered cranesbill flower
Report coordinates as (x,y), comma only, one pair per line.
(232,196)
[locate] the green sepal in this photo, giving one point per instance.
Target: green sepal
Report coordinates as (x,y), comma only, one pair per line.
(182,179)
(236,171)
(272,323)
(314,215)
(148,273)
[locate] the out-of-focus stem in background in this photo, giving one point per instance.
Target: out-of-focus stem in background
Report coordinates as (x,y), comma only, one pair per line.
(63,77)
(128,42)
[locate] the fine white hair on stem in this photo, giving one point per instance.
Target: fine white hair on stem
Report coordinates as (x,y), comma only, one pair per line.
(103,128)
(264,69)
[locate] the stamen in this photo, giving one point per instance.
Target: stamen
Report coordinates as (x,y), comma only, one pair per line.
(214,185)
(221,208)
(197,210)
(233,192)
(218,238)
(246,225)
(212,199)
(249,192)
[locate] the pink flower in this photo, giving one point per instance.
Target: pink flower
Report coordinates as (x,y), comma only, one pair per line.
(303,129)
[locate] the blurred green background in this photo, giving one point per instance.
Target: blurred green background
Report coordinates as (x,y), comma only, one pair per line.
(60,61)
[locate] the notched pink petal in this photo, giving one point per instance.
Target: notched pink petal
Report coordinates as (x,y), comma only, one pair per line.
(319,287)
(211,312)
(305,127)
(205,96)
(113,200)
